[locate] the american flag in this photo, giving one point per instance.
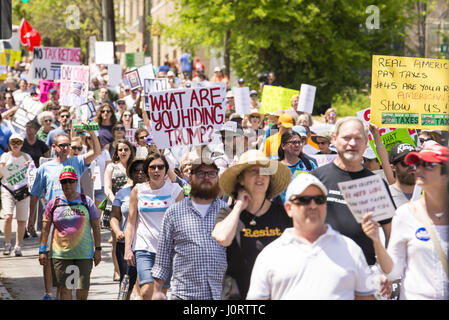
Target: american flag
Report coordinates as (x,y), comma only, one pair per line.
(75,88)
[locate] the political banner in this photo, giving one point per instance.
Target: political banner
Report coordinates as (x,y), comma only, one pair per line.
(47,62)
(186,116)
(366,195)
(410,92)
(306,98)
(44,88)
(241,100)
(276,98)
(74,85)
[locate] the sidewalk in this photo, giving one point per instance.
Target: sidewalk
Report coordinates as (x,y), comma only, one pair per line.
(21,277)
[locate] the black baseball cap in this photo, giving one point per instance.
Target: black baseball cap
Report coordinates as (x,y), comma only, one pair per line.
(399,151)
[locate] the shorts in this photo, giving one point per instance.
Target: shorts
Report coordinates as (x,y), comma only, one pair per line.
(9,203)
(100,195)
(144,264)
(66,272)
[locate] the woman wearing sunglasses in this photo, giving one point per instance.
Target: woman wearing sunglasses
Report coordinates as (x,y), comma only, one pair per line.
(330,116)
(115,177)
(106,119)
(147,205)
(45,119)
(252,221)
(418,246)
(118,133)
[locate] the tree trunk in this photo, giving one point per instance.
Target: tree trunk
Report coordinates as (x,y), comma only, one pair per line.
(227,56)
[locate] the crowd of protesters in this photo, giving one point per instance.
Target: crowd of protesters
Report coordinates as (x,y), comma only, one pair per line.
(253,215)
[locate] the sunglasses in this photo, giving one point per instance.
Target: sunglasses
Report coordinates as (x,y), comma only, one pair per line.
(322,142)
(16,142)
(64,145)
(65,116)
(77,148)
(306,200)
(54,109)
(422,140)
(126,115)
(331,114)
(158,166)
(46,121)
(138,170)
(429,166)
(123,149)
(143,137)
(67,181)
(119,128)
(106,111)
(202,174)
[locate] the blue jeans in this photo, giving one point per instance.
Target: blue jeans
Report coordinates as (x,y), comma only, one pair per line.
(123,266)
(144,263)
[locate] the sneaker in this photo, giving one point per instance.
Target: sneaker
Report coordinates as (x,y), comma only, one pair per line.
(7,250)
(17,251)
(26,235)
(47,296)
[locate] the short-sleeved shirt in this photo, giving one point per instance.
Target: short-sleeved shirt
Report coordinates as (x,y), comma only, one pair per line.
(15,170)
(47,177)
(105,135)
(72,237)
(53,133)
(122,200)
(338,214)
(249,240)
(35,150)
(5,133)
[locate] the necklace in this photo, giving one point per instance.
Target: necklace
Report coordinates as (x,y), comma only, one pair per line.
(253,221)
(439,215)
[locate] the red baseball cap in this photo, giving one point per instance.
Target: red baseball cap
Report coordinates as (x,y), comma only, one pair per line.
(434,153)
(68,172)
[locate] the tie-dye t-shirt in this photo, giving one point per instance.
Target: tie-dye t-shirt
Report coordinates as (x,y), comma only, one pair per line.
(72,237)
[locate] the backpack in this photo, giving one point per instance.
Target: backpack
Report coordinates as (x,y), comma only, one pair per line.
(58,203)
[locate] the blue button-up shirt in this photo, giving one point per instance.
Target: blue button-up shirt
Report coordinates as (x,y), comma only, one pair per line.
(186,245)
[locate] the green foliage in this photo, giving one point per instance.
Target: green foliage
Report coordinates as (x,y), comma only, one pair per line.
(349,103)
(324,42)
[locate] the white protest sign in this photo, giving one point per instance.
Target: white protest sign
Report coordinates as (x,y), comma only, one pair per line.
(241,99)
(3,69)
(186,116)
(200,84)
(28,110)
(86,112)
(155,85)
(47,62)
(146,72)
(97,178)
(74,85)
(365,195)
(322,159)
(104,52)
(114,75)
(306,98)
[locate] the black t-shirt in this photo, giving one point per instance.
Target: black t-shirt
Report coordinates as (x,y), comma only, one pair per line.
(35,150)
(338,214)
(247,244)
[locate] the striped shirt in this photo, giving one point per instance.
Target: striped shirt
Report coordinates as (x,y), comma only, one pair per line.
(186,247)
(152,205)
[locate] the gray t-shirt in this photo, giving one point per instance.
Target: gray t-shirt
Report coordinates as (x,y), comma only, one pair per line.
(399,197)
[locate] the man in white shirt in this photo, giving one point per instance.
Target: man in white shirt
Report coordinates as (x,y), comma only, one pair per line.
(310,260)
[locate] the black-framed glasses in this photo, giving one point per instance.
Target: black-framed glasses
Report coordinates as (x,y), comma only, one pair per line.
(63,145)
(202,174)
(76,148)
(306,200)
(119,128)
(295,142)
(123,149)
(67,181)
(422,140)
(65,116)
(429,166)
(106,111)
(143,137)
(126,115)
(402,163)
(153,167)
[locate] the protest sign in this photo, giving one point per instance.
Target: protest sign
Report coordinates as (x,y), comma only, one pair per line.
(28,110)
(134,59)
(276,98)
(146,72)
(104,52)
(86,112)
(365,195)
(155,85)
(114,75)
(14,55)
(47,62)
(74,85)
(241,100)
(306,98)
(44,88)
(410,93)
(391,138)
(132,80)
(322,159)
(186,116)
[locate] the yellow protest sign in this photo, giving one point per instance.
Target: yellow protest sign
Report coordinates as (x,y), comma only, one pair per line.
(276,98)
(15,55)
(410,92)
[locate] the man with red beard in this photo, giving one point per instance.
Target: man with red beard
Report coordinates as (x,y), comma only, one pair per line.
(186,247)
(402,189)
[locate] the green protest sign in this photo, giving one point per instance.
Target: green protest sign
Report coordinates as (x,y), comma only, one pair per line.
(389,139)
(79,127)
(130,60)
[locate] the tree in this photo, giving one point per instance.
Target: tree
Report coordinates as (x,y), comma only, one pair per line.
(325,43)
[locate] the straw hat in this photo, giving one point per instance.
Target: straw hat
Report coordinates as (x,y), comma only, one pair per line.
(280,173)
(128,170)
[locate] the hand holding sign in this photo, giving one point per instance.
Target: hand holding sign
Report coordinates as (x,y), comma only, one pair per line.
(370,227)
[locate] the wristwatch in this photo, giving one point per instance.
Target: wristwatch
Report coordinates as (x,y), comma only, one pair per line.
(97,248)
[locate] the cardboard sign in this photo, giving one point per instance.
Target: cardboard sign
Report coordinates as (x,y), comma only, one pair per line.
(74,85)
(47,61)
(391,138)
(130,136)
(44,88)
(155,85)
(14,55)
(410,93)
(134,59)
(114,75)
(365,195)
(306,98)
(186,116)
(276,98)
(241,100)
(86,112)
(322,159)
(104,52)
(132,79)
(28,110)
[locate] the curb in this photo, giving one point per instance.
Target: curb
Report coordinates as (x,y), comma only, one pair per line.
(4,294)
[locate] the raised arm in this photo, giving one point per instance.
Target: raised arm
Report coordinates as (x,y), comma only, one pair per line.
(130,229)
(95,151)
(383,154)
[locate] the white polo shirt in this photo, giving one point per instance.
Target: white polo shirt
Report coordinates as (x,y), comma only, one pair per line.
(331,268)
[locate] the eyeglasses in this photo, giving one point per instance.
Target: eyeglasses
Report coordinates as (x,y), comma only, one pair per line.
(106,111)
(142,137)
(402,163)
(123,150)
(77,148)
(46,121)
(322,142)
(331,114)
(157,166)
(429,166)
(65,116)
(422,140)
(63,145)
(67,181)
(202,174)
(296,142)
(16,142)
(119,128)
(138,170)
(126,115)
(54,109)
(306,200)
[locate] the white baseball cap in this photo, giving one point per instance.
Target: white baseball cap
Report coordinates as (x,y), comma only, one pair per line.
(301,183)
(17,136)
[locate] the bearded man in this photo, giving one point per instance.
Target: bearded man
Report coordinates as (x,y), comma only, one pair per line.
(402,189)
(186,247)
